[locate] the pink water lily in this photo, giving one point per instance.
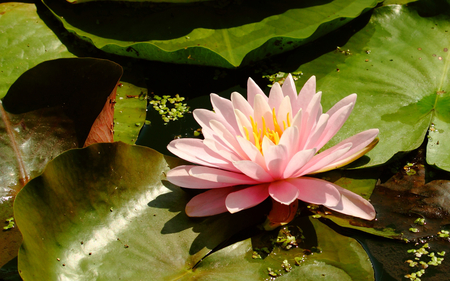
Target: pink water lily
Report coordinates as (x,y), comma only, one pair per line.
(265,146)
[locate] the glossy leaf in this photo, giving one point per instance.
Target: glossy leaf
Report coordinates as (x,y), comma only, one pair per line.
(398,64)
(242,33)
(49,109)
(26,41)
(104,211)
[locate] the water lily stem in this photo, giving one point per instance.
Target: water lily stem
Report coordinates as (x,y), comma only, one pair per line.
(23,179)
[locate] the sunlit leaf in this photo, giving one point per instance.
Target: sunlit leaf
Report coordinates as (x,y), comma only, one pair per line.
(398,64)
(106,212)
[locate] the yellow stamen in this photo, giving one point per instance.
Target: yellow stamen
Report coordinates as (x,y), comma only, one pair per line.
(274,135)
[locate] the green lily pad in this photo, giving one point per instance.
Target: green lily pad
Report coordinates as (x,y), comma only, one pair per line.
(129,112)
(398,64)
(26,41)
(104,211)
(153,1)
(244,32)
(49,109)
(334,257)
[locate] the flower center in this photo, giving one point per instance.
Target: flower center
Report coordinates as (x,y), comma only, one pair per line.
(273,134)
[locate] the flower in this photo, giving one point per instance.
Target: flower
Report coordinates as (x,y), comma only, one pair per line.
(264,146)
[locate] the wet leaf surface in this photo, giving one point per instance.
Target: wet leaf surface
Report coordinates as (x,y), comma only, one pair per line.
(48,110)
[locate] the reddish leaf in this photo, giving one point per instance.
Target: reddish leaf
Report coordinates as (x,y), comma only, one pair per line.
(103,128)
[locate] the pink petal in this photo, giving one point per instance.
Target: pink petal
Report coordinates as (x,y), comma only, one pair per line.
(289,89)
(316,191)
(289,139)
(224,108)
(342,103)
(275,96)
(283,192)
(323,159)
(354,205)
(180,176)
(253,90)
(262,109)
(216,175)
(253,170)
(204,118)
(309,119)
(282,113)
(209,203)
(246,198)
(305,95)
(221,150)
(361,144)
(317,132)
(226,137)
(241,104)
(334,124)
(243,121)
(297,162)
(252,152)
(195,151)
(276,158)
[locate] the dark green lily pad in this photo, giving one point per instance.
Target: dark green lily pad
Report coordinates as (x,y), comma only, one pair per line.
(106,201)
(398,64)
(106,212)
(48,110)
(244,32)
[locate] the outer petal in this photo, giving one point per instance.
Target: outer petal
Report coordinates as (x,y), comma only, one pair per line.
(228,138)
(224,108)
(204,118)
(276,158)
(253,170)
(316,191)
(317,132)
(289,139)
(309,119)
(323,159)
(195,151)
(209,203)
(217,175)
(354,205)
(361,144)
(283,192)
(181,176)
(335,123)
(246,198)
(297,162)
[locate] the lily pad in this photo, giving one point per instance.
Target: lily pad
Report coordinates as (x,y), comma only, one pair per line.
(94,205)
(130,112)
(49,109)
(334,257)
(398,64)
(26,41)
(244,32)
